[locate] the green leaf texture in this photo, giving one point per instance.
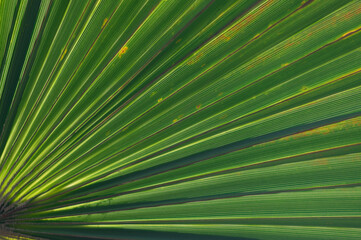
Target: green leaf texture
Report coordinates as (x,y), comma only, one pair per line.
(180,119)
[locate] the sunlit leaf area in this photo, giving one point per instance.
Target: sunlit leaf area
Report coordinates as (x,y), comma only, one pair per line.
(180,119)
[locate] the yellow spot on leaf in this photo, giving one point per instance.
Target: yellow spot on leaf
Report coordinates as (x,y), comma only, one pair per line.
(195,59)
(122,51)
(256,36)
(160,99)
(304,89)
(285,64)
(350,32)
(63,55)
(325,130)
(225,37)
(175,120)
(320,162)
(198,106)
(356,122)
(223,116)
(104,22)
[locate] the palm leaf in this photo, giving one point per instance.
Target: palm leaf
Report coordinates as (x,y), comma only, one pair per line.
(202,119)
